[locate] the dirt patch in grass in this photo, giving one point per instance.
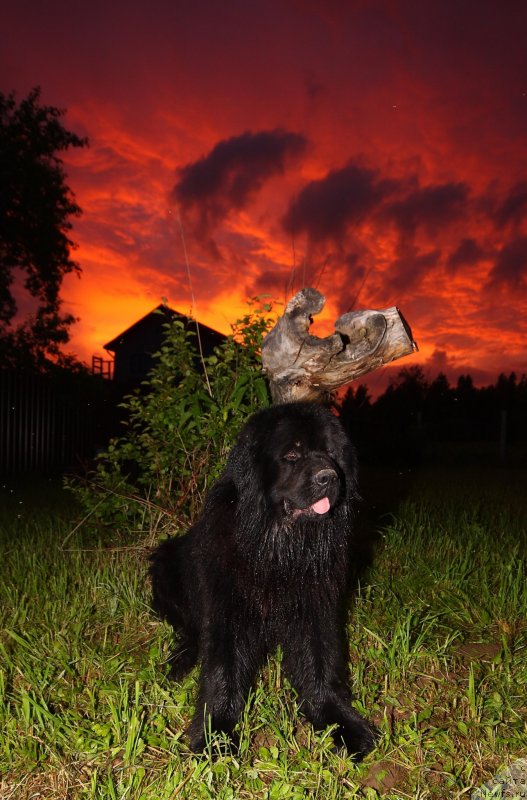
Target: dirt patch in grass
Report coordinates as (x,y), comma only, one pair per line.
(62,783)
(479,651)
(384,775)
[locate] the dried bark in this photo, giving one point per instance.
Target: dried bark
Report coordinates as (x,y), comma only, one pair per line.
(303,367)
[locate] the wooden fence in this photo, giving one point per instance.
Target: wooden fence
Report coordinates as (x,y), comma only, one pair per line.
(45,426)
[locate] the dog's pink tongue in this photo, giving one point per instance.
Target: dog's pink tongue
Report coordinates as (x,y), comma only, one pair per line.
(321,506)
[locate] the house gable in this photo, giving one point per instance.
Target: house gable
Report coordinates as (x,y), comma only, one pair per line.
(134,348)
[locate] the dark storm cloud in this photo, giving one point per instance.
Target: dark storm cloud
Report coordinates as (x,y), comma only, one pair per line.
(466,253)
(410,267)
(276,283)
(510,269)
(325,208)
(431,207)
(514,207)
(227,178)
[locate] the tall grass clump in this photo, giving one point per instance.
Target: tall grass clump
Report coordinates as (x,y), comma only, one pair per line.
(178,428)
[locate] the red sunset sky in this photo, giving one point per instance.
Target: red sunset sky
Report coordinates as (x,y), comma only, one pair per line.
(377,150)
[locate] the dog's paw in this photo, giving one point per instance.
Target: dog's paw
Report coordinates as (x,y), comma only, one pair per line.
(202,737)
(359,738)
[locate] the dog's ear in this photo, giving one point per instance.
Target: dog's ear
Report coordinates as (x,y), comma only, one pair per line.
(241,461)
(237,461)
(244,469)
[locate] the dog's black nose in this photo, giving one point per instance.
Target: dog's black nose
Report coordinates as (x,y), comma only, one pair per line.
(324,476)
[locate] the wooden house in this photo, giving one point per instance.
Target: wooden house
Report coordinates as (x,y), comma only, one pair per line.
(133,349)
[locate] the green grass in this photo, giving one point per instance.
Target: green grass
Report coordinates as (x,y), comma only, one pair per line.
(438,655)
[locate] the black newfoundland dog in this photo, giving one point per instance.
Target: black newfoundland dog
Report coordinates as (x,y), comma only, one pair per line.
(267,564)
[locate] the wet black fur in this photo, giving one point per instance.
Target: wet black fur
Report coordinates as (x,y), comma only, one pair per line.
(260,569)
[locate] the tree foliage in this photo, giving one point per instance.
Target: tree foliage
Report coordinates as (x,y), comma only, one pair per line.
(36,207)
(179,427)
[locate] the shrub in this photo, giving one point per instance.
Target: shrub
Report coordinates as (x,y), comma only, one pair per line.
(179,427)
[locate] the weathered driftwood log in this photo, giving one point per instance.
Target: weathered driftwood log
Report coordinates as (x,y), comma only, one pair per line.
(303,367)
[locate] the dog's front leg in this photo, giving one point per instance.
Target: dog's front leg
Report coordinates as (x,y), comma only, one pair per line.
(228,671)
(316,666)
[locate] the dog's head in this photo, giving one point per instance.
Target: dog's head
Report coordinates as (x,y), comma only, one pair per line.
(297,458)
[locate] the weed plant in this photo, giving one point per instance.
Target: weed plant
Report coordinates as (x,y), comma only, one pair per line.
(178,427)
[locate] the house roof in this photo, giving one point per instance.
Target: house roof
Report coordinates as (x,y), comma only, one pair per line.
(154,317)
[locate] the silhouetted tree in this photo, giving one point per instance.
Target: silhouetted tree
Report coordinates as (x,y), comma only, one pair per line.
(439,390)
(36,207)
(465,390)
(506,390)
(521,408)
(438,406)
(405,394)
(411,384)
(355,411)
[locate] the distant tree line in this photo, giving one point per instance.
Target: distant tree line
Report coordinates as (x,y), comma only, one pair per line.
(414,410)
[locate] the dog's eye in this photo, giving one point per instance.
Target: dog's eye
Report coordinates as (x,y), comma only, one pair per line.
(292,455)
